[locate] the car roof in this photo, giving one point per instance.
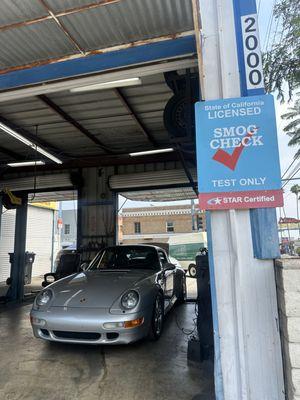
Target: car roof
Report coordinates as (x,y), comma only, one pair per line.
(137,245)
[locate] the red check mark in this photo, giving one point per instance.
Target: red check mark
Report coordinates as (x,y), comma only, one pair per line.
(230,160)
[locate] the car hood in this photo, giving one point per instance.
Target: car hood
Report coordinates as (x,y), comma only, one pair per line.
(95,289)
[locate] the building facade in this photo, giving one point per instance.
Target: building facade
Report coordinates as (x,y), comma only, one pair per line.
(69,228)
(158,224)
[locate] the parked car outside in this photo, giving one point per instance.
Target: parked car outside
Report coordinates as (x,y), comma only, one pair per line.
(67,262)
(120,298)
(185,247)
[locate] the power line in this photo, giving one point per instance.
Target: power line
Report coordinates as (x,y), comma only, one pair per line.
(290,177)
(275,34)
(258,8)
(269,27)
(291,164)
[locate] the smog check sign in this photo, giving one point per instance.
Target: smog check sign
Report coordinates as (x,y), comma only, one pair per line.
(237,154)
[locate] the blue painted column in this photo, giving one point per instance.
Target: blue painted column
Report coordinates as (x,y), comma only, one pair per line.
(16,292)
(264,220)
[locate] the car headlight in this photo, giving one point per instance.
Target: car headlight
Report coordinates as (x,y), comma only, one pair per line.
(44,297)
(129,300)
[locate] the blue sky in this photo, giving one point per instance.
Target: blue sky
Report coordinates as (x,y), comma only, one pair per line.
(267,28)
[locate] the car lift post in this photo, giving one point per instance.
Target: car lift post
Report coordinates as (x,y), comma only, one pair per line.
(16,291)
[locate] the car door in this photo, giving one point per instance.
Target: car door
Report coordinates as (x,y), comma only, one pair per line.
(168,275)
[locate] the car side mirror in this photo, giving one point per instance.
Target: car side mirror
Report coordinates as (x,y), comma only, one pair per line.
(169,267)
(84,266)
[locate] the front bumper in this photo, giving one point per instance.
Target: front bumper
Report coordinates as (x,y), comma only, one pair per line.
(85,325)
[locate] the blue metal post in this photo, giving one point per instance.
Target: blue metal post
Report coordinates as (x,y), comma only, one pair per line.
(16,292)
(263,221)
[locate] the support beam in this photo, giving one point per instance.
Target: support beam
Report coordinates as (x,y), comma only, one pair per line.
(103,161)
(97,212)
(162,49)
(137,121)
(16,291)
(73,122)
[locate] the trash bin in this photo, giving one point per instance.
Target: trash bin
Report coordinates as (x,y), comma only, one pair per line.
(29,260)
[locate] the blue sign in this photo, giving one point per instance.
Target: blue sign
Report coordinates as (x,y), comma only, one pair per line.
(237,153)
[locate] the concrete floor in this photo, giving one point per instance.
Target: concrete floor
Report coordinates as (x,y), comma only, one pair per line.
(32,369)
(29,290)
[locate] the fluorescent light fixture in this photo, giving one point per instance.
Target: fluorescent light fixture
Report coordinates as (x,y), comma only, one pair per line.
(29,143)
(108,85)
(25,163)
(145,153)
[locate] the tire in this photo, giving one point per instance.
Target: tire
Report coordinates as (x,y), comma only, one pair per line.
(182,296)
(192,270)
(157,319)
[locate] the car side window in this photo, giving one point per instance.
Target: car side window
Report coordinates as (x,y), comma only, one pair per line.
(162,257)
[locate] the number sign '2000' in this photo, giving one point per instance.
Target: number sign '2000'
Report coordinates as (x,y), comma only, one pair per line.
(252,54)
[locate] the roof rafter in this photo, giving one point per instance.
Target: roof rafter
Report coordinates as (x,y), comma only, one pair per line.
(136,119)
(45,99)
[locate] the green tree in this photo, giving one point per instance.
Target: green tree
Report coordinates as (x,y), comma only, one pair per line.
(296,190)
(293,127)
(281,61)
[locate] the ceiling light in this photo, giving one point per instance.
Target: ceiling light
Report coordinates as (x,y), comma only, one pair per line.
(108,85)
(25,163)
(145,153)
(29,143)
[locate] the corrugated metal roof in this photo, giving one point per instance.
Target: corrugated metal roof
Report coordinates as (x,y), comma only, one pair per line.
(100,112)
(12,11)
(33,43)
(102,27)
(59,5)
(129,21)
(63,195)
(173,194)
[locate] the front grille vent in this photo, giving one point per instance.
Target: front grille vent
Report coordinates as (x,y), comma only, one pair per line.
(77,335)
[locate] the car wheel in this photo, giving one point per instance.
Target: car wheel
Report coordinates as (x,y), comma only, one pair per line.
(182,295)
(157,320)
(192,270)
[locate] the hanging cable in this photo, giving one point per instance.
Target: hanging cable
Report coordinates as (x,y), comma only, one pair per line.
(35,171)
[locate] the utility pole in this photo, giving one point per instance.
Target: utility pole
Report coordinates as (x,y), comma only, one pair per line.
(248,363)
(194,222)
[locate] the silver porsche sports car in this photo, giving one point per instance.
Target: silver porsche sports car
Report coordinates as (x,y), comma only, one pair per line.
(121,297)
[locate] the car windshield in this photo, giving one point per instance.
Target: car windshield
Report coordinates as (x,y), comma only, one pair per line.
(126,257)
